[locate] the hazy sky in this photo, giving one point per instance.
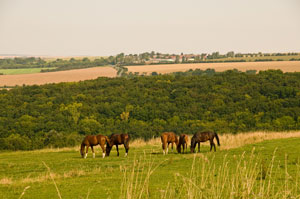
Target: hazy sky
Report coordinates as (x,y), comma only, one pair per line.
(98,27)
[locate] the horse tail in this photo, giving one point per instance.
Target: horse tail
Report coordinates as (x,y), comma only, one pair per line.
(217,137)
(183,141)
(176,140)
(193,144)
(107,140)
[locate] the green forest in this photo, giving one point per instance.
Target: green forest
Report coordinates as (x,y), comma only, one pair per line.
(58,115)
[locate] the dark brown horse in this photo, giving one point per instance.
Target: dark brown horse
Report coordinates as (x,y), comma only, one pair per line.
(166,139)
(91,141)
(183,140)
(117,139)
(203,137)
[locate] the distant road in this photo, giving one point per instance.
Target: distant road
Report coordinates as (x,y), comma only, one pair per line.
(285,66)
(56,77)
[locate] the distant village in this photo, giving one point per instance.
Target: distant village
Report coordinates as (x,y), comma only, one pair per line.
(160,58)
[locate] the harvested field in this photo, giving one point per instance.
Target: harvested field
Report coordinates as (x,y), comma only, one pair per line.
(56,77)
(285,66)
(93,73)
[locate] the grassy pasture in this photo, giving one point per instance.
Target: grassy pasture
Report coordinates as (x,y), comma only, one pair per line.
(21,71)
(267,169)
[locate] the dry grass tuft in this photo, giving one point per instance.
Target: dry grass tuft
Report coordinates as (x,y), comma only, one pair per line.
(229,141)
(140,142)
(6,181)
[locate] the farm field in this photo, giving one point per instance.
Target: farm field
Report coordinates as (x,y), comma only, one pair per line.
(93,73)
(56,77)
(259,166)
(285,66)
(21,71)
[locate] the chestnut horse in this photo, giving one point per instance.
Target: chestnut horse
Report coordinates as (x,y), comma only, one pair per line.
(183,140)
(203,137)
(117,139)
(166,139)
(91,141)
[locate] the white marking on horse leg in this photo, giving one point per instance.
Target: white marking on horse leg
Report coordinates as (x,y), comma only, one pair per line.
(167,151)
(93,155)
(164,152)
(85,155)
(103,155)
(126,154)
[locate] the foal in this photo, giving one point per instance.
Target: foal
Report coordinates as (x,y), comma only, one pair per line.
(91,141)
(203,137)
(166,139)
(183,140)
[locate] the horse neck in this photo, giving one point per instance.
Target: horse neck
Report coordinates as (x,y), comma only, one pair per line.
(82,148)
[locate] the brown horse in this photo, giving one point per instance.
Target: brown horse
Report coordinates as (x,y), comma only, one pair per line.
(91,141)
(117,139)
(203,137)
(183,140)
(166,139)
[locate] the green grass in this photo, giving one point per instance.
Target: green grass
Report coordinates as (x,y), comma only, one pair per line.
(267,169)
(21,71)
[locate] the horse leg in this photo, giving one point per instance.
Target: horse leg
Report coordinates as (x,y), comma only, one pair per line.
(126,149)
(186,147)
(167,148)
(172,147)
(117,150)
(93,151)
(87,150)
(198,147)
(103,150)
(164,148)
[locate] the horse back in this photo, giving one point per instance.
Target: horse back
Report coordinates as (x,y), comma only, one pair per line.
(202,136)
(168,137)
(101,139)
(90,140)
(119,138)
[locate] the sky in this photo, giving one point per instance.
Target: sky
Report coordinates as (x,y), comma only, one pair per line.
(103,28)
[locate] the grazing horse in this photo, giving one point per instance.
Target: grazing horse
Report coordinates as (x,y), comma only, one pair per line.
(183,140)
(91,141)
(203,137)
(166,139)
(117,139)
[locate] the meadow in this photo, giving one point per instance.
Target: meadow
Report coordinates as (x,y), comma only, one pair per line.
(249,165)
(21,71)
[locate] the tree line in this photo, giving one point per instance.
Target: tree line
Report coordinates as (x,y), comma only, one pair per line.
(61,114)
